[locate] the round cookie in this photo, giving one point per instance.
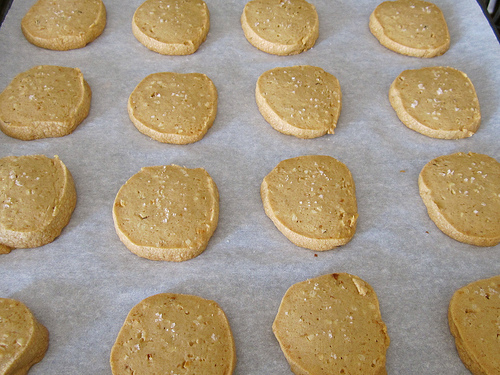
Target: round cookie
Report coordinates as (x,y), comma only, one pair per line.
(174,333)
(45,101)
(38,197)
(173,107)
(64,24)
(312,201)
(304,101)
(474,320)
(24,340)
(171,27)
(462,195)
(439,102)
(167,212)
(332,324)
(410,27)
(280,27)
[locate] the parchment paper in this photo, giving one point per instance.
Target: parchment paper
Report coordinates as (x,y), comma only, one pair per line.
(82,286)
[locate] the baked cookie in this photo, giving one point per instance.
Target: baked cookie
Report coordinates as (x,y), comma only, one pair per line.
(474,320)
(167,212)
(303,101)
(23,340)
(38,197)
(45,101)
(462,195)
(173,107)
(64,24)
(280,27)
(332,325)
(439,102)
(174,333)
(411,27)
(171,27)
(311,200)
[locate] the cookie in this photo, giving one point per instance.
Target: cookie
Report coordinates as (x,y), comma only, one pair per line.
(312,201)
(174,333)
(167,212)
(462,195)
(332,324)
(64,24)
(23,340)
(411,27)
(439,102)
(38,197)
(474,321)
(172,27)
(45,101)
(280,27)
(173,107)
(303,101)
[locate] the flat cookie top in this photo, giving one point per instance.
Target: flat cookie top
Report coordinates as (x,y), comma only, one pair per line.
(64,24)
(176,27)
(313,198)
(173,107)
(304,101)
(475,322)
(45,101)
(332,325)
(411,27)
(281,27)
(439,102)
(168,333)
(170,209)
(31,188)
(464,190)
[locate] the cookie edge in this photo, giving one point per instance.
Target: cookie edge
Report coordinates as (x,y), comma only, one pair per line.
(173,138)
(440,221)
(377,30)
(171,49)
(54,228)
(284,127)
(169,254)
(65,43)
(315,244)
(46,129)
(274,48)
(413,124)
(467,359)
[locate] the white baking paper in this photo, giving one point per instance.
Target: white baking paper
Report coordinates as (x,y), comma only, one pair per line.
(82,286)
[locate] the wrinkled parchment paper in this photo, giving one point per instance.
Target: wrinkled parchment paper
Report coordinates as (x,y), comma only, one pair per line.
(82,285)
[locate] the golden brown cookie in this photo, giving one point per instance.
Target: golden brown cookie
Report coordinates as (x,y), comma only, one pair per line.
(45,101)
(280,27)
(174,333)
(64,24)
(171,27)
(303,101)
(439,102)
(411,27)
(38,197)
(23,340)
(174,107)
(332,324)
(312,201)
(462,195)
(167,212)
(474,319)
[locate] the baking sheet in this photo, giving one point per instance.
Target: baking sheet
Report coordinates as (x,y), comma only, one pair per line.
(82,285)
